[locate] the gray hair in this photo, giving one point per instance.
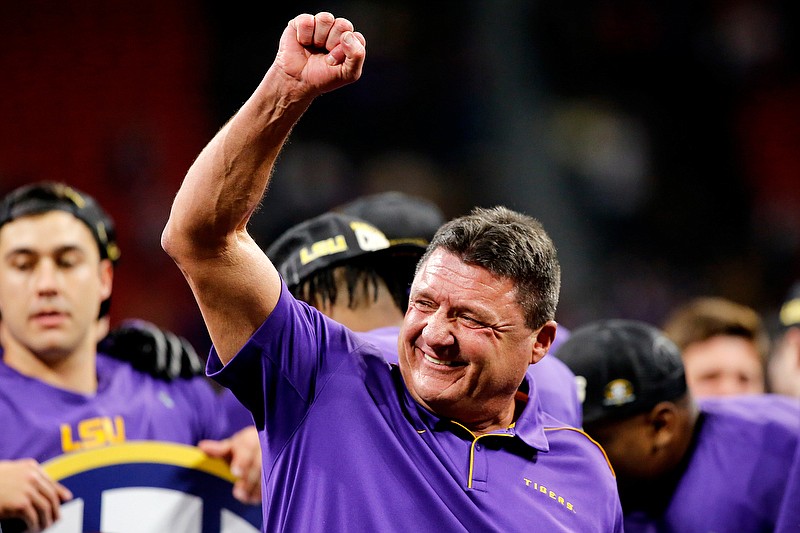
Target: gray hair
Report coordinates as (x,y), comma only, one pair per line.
(510,245)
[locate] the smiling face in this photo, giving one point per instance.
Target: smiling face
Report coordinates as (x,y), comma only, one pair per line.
(464,346)
(51,284)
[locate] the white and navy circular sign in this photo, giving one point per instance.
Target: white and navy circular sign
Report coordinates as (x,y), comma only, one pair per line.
(149,487)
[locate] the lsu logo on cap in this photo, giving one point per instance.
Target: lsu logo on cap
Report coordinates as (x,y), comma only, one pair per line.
(369,237)
(330,246)
(618,392)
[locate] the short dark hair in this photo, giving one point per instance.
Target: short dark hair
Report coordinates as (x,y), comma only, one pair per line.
(511,245)
(45,196)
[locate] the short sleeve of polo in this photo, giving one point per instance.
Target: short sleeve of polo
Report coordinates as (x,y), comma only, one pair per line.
(280,370)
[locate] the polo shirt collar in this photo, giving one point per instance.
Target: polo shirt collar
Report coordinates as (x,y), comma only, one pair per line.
(529,427)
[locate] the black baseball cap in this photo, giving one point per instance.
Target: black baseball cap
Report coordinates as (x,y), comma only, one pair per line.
(790,310)
(626,367)
(46,196)
(403,218)
(321,242)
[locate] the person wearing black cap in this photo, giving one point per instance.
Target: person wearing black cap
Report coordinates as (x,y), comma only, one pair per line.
(722,464)
(404,218)
(343,266)
(783,366)
(59,395)
(409,223)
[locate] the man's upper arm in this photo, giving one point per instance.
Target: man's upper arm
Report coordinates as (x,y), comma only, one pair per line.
(235,291)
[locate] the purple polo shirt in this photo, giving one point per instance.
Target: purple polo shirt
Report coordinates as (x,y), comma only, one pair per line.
(236,414)
(739,471)
(554,381)
(346,448)
(789,515)
(41,421)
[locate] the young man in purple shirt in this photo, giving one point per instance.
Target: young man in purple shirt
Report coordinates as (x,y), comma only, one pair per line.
(448,440)
(57,394)
(722,464)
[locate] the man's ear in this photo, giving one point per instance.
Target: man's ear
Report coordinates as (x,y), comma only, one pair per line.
(664,425)
(106,278)
(543,339)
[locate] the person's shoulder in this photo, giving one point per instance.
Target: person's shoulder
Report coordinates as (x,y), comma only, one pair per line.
(552,365)
(765,421)
(565,439)
(334,335)
(752,400)
(113,370)
(122,372)
(106,363)
(290,310)
(382,340)
(6,373)
(11,387)
(755,408)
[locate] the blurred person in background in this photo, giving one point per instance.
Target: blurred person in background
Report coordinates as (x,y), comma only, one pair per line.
(684,464)
(724,346)
(784,361)
(58,395)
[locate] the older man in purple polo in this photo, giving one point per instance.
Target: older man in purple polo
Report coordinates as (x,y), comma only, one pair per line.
(449,440)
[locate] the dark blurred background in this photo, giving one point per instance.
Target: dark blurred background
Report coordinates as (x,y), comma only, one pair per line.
(658,142)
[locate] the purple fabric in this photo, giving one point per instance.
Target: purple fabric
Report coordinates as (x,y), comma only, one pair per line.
(739,472)
(345,447)
(789,516)
(236,415)
(562,334)
(42,421)
(555,382)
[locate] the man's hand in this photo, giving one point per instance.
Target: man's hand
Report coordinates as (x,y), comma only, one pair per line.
(320,52)
(28,493)
(243,453)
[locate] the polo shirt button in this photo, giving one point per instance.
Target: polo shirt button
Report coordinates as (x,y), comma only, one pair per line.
(478,447)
